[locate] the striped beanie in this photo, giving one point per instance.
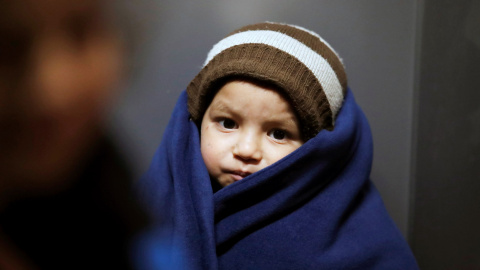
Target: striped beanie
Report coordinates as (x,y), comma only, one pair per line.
(296,61)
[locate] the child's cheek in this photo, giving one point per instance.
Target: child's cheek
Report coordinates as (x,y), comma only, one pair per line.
(208,148)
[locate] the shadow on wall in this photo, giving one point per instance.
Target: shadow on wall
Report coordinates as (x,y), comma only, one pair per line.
(445,213)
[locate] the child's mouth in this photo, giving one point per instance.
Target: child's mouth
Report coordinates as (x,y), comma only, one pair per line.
(239,175)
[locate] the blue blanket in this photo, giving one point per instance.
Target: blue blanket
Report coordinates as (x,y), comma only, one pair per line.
(314,209)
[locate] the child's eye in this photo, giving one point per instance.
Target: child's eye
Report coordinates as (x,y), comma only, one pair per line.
(278,134)
(228,123)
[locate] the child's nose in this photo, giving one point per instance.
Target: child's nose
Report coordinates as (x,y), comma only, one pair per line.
(248,148)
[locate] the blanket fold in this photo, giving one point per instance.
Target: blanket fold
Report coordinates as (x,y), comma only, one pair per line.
(314,209)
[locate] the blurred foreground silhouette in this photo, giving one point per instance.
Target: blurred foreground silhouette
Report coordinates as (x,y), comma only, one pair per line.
(65,192)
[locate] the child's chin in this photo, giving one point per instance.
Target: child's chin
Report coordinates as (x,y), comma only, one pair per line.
(226,180)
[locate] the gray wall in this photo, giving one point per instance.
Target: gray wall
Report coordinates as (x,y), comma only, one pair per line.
(445,217)
(375,38)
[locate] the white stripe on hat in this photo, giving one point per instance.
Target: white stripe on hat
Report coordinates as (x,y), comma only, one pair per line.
(312,60)
(319,37)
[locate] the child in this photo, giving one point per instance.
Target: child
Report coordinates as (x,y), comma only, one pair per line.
(265,162)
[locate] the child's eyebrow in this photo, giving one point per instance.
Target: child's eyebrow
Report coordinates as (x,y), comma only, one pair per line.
(220,105)
(284,120)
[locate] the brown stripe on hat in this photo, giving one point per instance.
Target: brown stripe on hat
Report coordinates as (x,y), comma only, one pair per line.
(283,71)
(313,42)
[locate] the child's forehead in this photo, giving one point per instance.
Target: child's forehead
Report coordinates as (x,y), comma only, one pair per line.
(234,90)
(243,83)
(238,95)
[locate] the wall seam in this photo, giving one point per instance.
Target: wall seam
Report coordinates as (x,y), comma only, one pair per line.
(419,11)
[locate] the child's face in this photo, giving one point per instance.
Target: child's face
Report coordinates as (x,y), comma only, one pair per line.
(245,129)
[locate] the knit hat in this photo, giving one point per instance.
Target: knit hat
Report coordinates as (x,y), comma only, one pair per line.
(298,62)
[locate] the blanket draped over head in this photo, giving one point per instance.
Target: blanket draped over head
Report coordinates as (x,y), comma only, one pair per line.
(314,209)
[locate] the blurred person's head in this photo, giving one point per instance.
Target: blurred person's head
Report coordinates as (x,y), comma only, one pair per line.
(60,62)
